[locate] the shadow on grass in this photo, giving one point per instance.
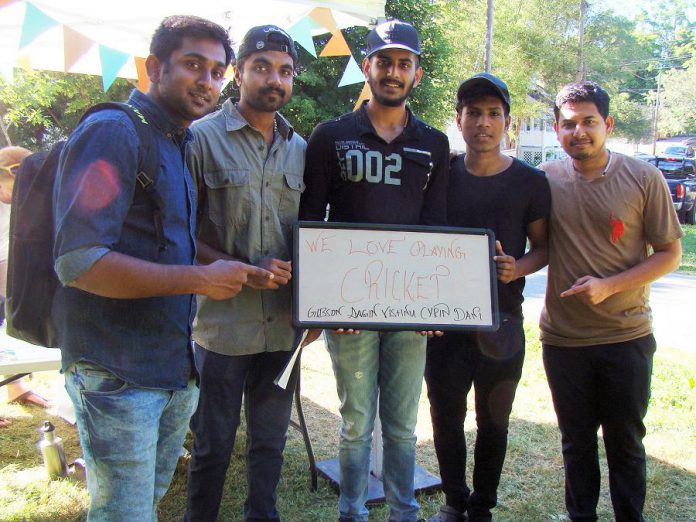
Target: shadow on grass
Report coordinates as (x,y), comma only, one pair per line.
(531,487)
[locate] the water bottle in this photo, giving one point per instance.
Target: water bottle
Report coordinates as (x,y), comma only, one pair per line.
(51,447)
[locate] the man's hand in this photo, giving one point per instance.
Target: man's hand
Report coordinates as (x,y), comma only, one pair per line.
(224,279)
(592,290)
(312,335)
(281,270)
(431,333)
(347,331)
(505,265)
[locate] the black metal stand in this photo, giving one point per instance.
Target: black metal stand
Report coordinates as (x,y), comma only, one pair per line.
(301,425)
(424,482)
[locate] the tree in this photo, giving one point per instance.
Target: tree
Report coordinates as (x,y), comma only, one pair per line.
(317,97)
(678,111)
(39,107)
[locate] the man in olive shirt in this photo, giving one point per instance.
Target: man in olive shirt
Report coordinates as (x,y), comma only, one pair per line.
(248,164)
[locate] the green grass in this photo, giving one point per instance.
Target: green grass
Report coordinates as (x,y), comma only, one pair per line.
(688,263)
(531,488)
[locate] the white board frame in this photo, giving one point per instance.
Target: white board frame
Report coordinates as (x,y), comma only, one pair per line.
(413,277)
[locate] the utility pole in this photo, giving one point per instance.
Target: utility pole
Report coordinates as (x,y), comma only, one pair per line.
(489,33)
(657,110)
(580,68)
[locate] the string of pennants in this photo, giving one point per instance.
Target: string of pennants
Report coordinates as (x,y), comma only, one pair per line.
(112,61)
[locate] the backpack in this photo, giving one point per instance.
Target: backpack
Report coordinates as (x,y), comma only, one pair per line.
(31,279)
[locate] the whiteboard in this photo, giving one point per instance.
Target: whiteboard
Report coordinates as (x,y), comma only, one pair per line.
(393,277)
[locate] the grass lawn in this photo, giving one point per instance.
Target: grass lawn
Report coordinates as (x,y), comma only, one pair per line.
(531,488)
(689,249)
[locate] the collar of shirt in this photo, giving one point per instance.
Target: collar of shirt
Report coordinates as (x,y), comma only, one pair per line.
(159,117)
(364,125)
(235,121)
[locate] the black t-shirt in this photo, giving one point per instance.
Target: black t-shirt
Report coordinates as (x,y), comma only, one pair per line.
(364,179)
(505,203)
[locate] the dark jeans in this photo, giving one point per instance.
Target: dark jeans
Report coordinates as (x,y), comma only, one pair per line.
(609,386)
(224,379)
(454,362)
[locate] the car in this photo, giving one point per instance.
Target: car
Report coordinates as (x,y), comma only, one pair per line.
(677,160)
(678,165)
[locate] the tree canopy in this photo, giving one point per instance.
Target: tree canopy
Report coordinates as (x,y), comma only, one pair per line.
(535,45)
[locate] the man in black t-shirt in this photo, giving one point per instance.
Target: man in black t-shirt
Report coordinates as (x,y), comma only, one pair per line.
(487,190)
(379,164)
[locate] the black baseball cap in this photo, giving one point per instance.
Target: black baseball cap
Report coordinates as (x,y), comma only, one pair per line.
(487,80)
(393,34)
(266,38)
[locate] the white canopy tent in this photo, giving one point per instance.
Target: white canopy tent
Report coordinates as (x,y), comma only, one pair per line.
(84,28)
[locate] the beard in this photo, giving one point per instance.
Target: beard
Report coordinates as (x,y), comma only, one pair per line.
(261,102)
(389,101)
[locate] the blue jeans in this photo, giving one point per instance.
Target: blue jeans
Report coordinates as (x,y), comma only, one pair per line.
(131,439)
(225,379)
(391,365)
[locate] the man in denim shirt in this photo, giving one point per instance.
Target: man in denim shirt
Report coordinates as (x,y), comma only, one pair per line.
(248,164)
(125,310)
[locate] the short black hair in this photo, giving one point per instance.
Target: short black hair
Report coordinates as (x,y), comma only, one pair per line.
(171,32)
(478,92)
(582,92)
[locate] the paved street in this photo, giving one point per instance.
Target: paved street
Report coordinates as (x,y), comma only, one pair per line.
(673,302)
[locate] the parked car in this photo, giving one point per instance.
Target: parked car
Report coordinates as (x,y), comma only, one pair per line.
(678,165)
(677,159)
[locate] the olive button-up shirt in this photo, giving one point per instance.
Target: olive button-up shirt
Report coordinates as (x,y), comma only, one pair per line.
(248,198)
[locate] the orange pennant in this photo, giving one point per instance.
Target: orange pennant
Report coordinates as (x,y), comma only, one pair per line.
(365,94)
(75,45)
(336,46)
(143,80)
(3,3)
(324,17)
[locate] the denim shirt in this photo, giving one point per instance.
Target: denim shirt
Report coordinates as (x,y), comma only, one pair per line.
(249,195)
(97,210)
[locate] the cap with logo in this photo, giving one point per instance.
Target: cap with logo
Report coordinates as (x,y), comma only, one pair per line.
(487,80)
(393,34)
(266,38)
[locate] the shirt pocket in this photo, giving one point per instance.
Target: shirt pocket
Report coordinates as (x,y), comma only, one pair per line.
(419,164)
(228,197)
(293,187)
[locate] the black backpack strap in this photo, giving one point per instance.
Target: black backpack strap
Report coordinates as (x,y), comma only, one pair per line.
(148,161)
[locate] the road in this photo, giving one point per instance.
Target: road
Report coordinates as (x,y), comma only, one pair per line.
(672,299)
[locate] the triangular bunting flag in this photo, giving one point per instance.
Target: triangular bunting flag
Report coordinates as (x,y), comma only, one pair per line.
(336,46)
(323,16)
(3,3)
(143,80)
(35,23)
(365,94)
(75,46)
(229,77)
(301,32)
(111,63)
(352,74)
